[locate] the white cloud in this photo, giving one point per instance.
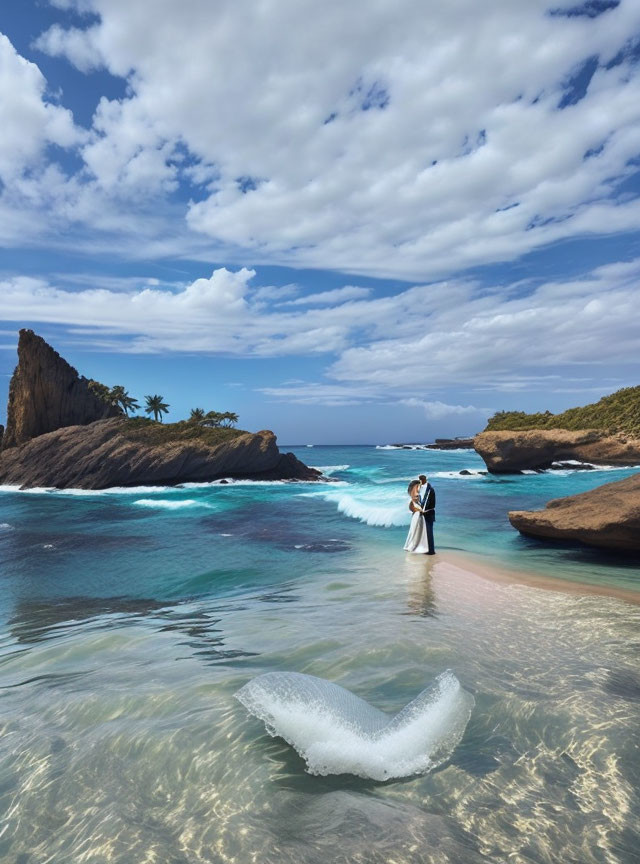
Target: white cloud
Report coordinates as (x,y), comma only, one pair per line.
(439,410)
(408,142)
(316,393)
(419,342)
(29,122)
(79,46)
(328,298)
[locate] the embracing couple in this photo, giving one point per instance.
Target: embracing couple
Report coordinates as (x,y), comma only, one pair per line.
(422,503)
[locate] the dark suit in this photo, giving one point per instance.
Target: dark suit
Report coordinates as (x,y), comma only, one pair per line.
(428,503)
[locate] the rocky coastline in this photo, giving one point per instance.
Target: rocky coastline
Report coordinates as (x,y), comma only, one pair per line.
(438,444)
(607,517)
(506,452)
(60,435)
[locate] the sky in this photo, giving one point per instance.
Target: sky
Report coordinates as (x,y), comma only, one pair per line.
(361,222)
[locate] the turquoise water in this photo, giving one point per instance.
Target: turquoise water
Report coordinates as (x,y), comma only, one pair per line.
(130,618)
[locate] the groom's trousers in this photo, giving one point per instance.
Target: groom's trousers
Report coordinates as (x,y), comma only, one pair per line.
(429,525)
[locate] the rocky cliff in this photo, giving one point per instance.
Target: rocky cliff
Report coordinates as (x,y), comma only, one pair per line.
(105,453)
(608,516)
(507,452)
(46,393)
(60,434)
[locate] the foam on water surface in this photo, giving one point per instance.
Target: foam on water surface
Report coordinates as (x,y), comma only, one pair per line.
(336,732)
(163,504)
(382,508)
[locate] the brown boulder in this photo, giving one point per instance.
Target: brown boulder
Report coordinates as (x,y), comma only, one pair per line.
(46,393)
(104,454)
(509,452)
(608,516)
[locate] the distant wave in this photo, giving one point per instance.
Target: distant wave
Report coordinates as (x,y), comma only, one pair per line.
(336,732)
(147,490)
(5,526)
(426,447)
(163,504)
(474,473)
(331,469)
(91,493)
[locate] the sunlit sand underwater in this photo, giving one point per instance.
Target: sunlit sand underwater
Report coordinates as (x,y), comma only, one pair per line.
(129,627)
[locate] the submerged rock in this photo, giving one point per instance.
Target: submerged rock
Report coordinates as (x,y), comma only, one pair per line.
(510,452)
(105,454)
(608,516)
(46,393)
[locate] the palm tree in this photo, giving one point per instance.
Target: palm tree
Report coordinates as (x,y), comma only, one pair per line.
(116,393)
(212,418)
(156,406)
(120,397)
(197,415)
(229,418)
(128,403)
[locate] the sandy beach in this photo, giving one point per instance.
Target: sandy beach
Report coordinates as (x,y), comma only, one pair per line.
(456,563)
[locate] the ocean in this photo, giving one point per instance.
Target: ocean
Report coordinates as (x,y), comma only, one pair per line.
(129,618)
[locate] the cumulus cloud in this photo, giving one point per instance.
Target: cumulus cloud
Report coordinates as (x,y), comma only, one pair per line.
(405,142)
(29,121)
(560,335)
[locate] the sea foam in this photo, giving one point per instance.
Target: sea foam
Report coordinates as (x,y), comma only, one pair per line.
(336,732)
(370,505)
(164,504)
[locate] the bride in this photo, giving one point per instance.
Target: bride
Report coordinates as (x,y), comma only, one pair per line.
(417,540)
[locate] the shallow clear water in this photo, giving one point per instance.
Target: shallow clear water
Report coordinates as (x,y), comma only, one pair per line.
(130,619)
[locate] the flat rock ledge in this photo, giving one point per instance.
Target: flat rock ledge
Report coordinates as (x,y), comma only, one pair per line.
(511,452)
(99,456)
(608,517)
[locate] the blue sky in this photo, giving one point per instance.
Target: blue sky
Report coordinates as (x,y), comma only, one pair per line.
(346,222)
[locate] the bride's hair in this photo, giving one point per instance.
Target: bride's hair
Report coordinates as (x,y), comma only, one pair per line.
(411,485)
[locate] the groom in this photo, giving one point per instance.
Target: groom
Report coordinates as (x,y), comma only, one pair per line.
(428,503)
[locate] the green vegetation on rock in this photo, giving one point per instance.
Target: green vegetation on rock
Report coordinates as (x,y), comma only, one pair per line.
(152,432)
(619,412)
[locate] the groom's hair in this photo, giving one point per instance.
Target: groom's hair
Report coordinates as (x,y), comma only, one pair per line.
(422,478)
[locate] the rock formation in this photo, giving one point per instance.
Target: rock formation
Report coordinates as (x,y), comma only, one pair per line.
(102,454)
(510,452)
(60,434)
(608,516)
(451,444)
(46,393)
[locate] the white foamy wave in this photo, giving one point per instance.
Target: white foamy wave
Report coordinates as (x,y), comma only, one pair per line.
(91,493)
(164,504)
(335,732)
(400,446)
(372,506)
(471,473)
(589,466)
(5,526)
(330,469)
(230,481)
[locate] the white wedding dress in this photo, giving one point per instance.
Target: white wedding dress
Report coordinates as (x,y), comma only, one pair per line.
(417,540)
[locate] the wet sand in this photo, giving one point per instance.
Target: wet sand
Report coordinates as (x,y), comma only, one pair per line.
(460,561)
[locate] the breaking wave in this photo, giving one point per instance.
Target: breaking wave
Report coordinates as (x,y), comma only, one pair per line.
(164,504)
(372,505)
(331,469)
(336,732)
